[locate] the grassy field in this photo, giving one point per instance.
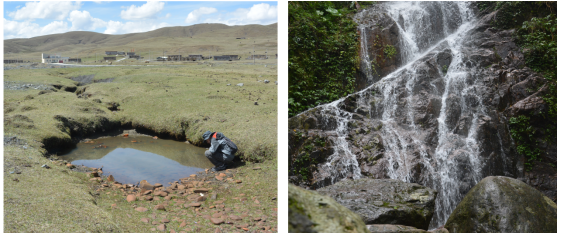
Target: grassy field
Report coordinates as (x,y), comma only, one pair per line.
(178,101)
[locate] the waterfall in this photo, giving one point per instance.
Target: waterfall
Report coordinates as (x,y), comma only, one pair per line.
(444,155)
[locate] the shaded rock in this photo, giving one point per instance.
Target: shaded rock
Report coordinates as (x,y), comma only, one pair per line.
(312,212)
(131,198)
(216,221)
(160,207)
(196,204)
(500,204)
(200,190)
(385,201)
(393,229)
(145,185)
(141,209)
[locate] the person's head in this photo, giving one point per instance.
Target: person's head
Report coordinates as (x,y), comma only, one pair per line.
(206,136)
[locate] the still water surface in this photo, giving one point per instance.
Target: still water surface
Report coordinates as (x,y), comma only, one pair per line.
(137,158)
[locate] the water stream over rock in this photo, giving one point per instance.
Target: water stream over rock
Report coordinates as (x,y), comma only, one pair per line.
(436,120)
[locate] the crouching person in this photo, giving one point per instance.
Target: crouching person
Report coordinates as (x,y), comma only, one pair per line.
(221,151)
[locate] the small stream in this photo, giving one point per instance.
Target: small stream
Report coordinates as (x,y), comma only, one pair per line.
(139,157)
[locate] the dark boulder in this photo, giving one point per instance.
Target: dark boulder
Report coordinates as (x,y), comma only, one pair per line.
(501,204)
(385,201)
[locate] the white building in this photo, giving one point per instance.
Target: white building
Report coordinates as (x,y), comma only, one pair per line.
(53,58)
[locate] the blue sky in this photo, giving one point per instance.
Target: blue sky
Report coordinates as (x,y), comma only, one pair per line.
(31,19)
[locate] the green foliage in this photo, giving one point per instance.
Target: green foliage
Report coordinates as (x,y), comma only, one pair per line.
(445,69)
(539,37)
(523,135)
(323,53)
(389,51)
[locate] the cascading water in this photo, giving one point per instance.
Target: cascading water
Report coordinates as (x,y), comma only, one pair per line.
(431,111)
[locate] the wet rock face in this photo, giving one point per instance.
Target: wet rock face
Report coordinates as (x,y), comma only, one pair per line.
(385,201)
(378,33)
(311,212)
(425,121)
(500,204)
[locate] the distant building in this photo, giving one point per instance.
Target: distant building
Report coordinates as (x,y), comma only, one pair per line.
(227,58)
(130,53)
(109,58)
(9,61)
(174,57)
(257,57)
(53,58)
(195,57)
(75,60)
(241,38)
(121,53)
(137,57)
(111,53)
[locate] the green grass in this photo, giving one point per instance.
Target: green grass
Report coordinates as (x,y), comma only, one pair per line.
(178,101)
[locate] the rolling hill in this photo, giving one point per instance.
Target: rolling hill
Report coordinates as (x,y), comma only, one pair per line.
(199,37)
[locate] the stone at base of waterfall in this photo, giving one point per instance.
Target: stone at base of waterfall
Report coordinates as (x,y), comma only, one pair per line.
(499,204)
(394,229)
(311,212)
(385,201)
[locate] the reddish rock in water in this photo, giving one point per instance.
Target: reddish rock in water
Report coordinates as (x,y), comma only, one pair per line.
(222,175)
(157,185)
(219,178)
(131,198)
(216,221)
(141,209)
(110,178)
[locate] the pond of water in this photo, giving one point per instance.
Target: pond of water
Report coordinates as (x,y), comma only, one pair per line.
(132,159)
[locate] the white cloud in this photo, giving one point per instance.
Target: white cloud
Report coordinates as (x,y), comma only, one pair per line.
(82,20)
(194,15)
(26,29)
(45,10)
(262,14)
(148,10)
(117,27)
(167,16)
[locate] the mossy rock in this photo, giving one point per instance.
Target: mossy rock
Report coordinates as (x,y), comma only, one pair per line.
(310,212)
(501,204)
